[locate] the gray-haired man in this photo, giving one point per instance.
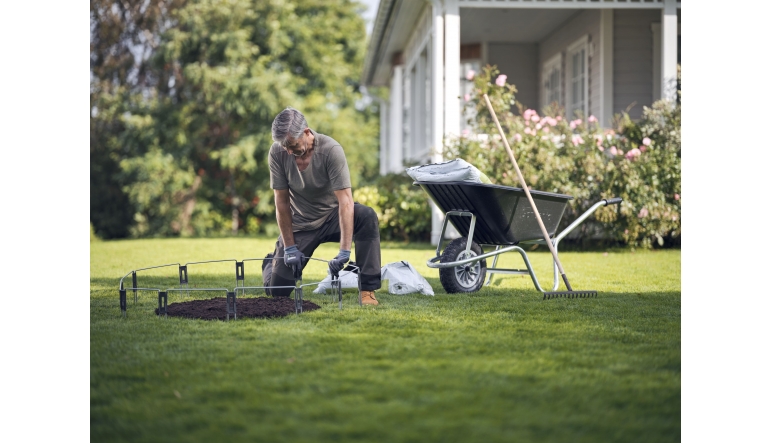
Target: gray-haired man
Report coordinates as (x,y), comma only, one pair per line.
(314,204)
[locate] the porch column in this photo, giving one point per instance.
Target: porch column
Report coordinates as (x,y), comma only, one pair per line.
(384,132)
(452,68)
(437,81)
(668,52)
(437,108)
(606,67)
(396,136)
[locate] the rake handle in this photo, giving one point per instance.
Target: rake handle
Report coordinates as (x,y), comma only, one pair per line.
(529,196)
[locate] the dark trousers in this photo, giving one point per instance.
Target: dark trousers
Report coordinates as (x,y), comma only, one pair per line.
(366,236)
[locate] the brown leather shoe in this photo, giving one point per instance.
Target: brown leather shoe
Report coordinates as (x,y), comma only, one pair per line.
(367,298)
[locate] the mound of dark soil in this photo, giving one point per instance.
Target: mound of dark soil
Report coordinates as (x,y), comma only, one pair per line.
(216,308)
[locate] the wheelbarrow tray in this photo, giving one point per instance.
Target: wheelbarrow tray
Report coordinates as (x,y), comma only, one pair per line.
(504,215)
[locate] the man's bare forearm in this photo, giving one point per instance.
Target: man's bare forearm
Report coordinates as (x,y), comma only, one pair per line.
(283,216)
(346,224)
(345,200)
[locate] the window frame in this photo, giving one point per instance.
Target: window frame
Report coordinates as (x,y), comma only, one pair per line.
(548,66)
(578,45)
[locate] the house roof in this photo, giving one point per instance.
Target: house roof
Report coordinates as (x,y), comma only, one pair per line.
(500,21)
(392,29)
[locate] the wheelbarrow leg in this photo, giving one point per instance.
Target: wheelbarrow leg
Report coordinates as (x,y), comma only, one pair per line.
(494,265)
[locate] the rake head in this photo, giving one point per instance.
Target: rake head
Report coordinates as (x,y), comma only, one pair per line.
(569,294)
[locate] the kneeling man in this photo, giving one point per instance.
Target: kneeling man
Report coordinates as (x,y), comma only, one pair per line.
(314,204)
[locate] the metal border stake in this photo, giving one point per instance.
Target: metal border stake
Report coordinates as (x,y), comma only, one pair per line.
(123,301)
(133,281)
(163,303)
(183,278)
(239,274)
(231,305)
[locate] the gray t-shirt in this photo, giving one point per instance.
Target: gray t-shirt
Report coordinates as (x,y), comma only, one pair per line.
(311,192)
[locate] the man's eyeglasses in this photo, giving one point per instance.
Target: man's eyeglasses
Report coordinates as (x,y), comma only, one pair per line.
(295,147)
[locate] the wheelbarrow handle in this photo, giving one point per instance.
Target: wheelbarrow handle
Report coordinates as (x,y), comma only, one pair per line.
(585,215)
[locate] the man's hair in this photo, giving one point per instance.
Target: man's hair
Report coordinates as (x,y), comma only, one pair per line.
(289,123)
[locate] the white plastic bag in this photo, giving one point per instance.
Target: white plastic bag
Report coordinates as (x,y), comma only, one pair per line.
(404,279)
(452,171)
(348,279)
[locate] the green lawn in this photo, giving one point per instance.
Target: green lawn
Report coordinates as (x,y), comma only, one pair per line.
(497,365)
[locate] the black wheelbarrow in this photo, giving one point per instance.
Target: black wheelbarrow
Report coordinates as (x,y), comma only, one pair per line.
(499,216)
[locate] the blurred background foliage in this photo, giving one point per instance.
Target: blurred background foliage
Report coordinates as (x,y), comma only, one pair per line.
(183,94)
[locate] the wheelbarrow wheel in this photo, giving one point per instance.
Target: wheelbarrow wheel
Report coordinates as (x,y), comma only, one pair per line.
(465,278)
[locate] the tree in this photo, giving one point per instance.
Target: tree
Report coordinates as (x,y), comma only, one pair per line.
(191,124)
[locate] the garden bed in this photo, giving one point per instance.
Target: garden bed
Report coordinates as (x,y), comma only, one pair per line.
(216,308)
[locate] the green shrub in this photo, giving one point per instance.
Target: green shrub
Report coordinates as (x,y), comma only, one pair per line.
(637,161)
(401,207)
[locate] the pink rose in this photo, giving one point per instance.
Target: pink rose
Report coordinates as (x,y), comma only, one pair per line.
(642,148)
(467,97)
(470,74)
(620,152)
(676,196)
(577,140)
(601,148)
(633,154)
(613,150)
(592,119)
(558,118)
(646,141)
(535,118)
(501,80)
(517,137)
(546,129)
(529,113)
(538,126)
(643,213)
(527,131)
(572,124)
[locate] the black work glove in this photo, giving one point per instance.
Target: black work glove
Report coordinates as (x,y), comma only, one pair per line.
(292,257)
(337,263)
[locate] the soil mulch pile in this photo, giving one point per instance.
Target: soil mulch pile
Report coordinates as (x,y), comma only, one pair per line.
(216,308)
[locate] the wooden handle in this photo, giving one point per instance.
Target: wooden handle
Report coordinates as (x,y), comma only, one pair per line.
(526,191)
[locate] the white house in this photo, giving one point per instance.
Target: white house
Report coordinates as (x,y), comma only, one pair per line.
(597,56)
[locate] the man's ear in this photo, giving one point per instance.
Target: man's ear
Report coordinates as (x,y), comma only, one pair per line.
(307,131)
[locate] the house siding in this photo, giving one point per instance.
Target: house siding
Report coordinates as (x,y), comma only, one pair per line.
(633,64)
(583,23)
(519,62)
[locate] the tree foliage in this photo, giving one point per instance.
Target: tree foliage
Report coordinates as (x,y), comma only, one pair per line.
(183,97)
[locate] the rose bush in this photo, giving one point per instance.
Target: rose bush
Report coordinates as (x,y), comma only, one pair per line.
(637,161)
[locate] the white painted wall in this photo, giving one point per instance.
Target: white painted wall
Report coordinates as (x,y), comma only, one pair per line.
(633,53)
(519,61)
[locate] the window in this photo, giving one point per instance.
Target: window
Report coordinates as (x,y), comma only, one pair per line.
(552,81)
(577,78)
